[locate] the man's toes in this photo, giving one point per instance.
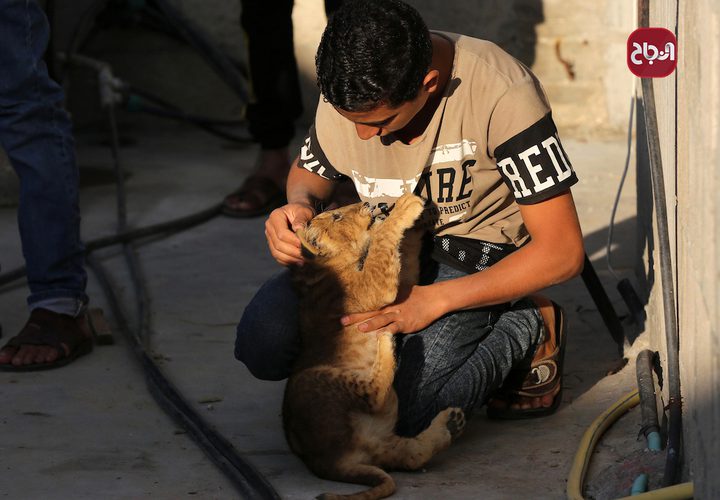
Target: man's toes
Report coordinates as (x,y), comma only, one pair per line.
(28,355)
(548,400)
(24,355)
(46,354)
(7,354)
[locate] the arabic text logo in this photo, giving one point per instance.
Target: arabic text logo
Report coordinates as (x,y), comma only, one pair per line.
(652,52)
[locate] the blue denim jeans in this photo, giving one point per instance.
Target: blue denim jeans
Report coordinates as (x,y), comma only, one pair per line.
(458,361)
(36,134)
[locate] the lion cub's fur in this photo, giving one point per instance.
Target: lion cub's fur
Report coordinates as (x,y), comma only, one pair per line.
(340,407)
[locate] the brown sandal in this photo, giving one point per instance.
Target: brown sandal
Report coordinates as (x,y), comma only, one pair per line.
(48,328)
(543,377)
(261,194)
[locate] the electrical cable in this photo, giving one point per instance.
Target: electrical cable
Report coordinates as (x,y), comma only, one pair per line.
(168,227)
(668,290)
(167,19)
(246,479)
(149,96)
(226,69)
(620,187)
(182,116)
(674,443)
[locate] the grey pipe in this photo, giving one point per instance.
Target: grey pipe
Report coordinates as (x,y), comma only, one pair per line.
(672,463)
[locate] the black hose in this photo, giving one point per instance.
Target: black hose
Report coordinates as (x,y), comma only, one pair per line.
(674,446)
(149,96)
(605,307)
(182,116)
(247,480)
(648,401)
(133,262)
(167,227)
(225,68)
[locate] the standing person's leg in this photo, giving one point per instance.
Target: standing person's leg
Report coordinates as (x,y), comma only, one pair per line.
(277,104)
(460,359)
(37,136)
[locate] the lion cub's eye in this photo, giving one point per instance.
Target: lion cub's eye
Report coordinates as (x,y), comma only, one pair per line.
(336,216)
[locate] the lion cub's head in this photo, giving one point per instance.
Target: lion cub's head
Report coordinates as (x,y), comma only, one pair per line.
(336,232)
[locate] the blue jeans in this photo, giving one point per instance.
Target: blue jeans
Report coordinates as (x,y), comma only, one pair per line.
(458,361)
(36,134)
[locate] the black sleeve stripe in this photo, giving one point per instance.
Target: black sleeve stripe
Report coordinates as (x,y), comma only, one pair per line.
(313,159)
(534,164)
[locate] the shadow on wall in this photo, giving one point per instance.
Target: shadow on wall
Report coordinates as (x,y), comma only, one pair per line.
(645,273)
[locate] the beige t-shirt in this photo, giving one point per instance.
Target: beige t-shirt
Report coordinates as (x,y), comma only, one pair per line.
(490,146)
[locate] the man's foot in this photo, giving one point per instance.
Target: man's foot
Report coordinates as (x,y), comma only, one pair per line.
(264,190)
(535,391)
(48,340)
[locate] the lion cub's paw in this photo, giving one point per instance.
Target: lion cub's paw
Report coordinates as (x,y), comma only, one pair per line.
(455,422)
(409,207)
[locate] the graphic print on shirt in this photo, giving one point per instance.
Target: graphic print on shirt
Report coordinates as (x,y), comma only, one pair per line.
(445,180)
(533,163)
(449,187)
(314,160)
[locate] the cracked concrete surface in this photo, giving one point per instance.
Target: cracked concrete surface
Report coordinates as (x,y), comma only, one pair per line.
(91,430)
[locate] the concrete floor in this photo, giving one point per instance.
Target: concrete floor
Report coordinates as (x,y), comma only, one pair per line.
(91,430)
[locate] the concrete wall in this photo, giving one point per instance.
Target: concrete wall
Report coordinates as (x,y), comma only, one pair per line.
(698,174)
(688,103)
(576,48)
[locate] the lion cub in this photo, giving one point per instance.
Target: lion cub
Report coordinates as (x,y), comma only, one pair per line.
(340,407)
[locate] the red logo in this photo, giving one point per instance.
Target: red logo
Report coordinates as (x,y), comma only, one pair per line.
(652,52)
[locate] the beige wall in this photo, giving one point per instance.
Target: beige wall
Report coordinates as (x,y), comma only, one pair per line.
(698,173)
(690,137)
(555,37)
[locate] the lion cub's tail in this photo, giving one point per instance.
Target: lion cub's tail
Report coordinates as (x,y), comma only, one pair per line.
(382,484)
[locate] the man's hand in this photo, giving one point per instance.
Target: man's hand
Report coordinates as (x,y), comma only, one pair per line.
(280,230)
(414,310)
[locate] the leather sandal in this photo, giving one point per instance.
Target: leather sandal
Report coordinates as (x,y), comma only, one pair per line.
(261,194)
(47,328)
(543,377)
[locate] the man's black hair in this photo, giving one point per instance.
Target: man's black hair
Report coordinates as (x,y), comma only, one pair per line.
(373,52)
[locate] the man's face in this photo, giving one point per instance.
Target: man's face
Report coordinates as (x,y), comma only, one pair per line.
(383,120)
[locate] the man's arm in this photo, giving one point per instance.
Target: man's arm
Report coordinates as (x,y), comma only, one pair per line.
(554,254)
(304,190)
(307,188)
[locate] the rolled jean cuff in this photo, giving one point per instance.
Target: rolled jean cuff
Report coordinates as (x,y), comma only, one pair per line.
(71,306)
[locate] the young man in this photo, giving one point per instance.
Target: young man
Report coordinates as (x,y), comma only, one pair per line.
(464,125)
